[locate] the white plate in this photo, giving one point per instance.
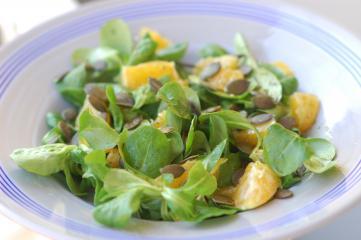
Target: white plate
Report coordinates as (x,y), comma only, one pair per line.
(325,58)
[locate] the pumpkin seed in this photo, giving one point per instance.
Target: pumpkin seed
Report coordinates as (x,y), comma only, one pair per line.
(104,116)
(166,129)
(210,70)
(89,67)
(67,131)
(242,59)
(221,199)
(124,99)
(283,193)
(75,139)
(175,169)
(98,103)
(194,109)
(243,113)
(61,78)
(213,109)
(287,122)
(235,107)
(113,158)
(133,123)
(300,172)
(155,85)
(69,114)
(187,65)
(190,158)
(237,176)
(263,101)
(246,69)
(99,65)
(261,118)
(96,91)
(237,86)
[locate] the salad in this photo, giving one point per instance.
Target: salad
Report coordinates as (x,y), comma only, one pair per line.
(151,136)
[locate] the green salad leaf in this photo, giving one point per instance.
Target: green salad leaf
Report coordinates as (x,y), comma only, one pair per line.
(148,149)
(217,130)
(43,160)
(190,136)
(269,84)
(212,50)
(172,53)
(144,51)
(117,212)
(233,119)
(117,115)
(199,144)
(52,119)
(211,159)
(289,83)
(241,48)
(71,86)
(175,97)
(119,181)
(285,151)
(143,96)
(323,153)
(205,211)
(96,132)
(227,169)
(116,34)
(172,120)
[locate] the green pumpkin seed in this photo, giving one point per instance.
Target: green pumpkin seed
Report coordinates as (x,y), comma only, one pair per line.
(213,109)
(69,114)
(237,87)
(155,85)
(100,65)
(210,70)
(166,129)
(124,99)
(133,123)
(237,176)
(175,169)
(283,193)
(98,103)
(67,131)
(288,122)
(246,69)
(221,199)
(263,101)
(113,158)
(261,118)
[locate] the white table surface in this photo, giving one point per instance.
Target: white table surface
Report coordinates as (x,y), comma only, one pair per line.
(345,13)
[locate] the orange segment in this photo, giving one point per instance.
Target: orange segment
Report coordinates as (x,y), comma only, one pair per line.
(247,139)
(136,76)
(304,108)
(220,80)
(256,187)
(179,181)
(227,62)
(160,120)
(161,41)
(284,68)
(229,70)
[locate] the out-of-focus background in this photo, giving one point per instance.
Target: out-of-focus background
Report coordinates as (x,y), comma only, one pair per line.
(19,16)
